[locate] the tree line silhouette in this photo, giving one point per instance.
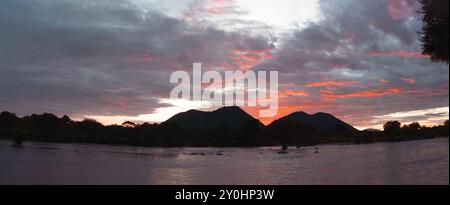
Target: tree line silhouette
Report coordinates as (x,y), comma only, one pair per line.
(50,128)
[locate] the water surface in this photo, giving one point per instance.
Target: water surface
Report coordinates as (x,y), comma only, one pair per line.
(413,162)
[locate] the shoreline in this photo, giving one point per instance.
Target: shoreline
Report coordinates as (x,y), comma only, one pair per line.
(245,147)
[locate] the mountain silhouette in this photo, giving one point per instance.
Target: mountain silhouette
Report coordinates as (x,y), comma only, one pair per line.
(319,121)
(229,117)
(243,130)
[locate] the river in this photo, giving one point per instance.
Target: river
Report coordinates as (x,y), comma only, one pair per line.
(412,162)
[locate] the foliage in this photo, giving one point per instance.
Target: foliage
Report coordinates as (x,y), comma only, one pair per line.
(435,31)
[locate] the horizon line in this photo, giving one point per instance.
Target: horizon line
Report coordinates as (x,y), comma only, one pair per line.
(85,117)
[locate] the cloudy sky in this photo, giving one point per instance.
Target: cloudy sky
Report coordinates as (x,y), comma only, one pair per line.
(111,59)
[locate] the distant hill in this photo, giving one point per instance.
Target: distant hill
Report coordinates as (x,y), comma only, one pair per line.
(318,121)
(372,130)
(230,117)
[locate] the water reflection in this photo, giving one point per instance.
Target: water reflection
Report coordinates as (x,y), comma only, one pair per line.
(416,162)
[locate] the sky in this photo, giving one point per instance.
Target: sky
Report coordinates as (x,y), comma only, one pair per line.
(111,60)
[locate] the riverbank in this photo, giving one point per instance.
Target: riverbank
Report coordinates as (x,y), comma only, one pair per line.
(268,145)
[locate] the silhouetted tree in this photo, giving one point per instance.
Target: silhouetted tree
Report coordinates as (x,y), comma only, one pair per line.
(129,124)
(392,127)
(415,126)
(435,31)
(412,129)
(89,127)
(46,123)
(8,121)
(66,120)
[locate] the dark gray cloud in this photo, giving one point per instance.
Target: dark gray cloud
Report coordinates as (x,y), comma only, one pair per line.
(99,57)
(368,42)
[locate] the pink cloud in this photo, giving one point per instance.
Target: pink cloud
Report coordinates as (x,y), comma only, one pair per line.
(400,9)
(383,81)
(409,80)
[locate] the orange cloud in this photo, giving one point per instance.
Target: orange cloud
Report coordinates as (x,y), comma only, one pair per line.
(372,93)
(400,54)
(247,59)
(328,83)
(289,93)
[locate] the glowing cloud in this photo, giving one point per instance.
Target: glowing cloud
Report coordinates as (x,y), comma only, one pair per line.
(399,54)
(428,117)
(328,83)
(400,9)
(409,80)
(372,93)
